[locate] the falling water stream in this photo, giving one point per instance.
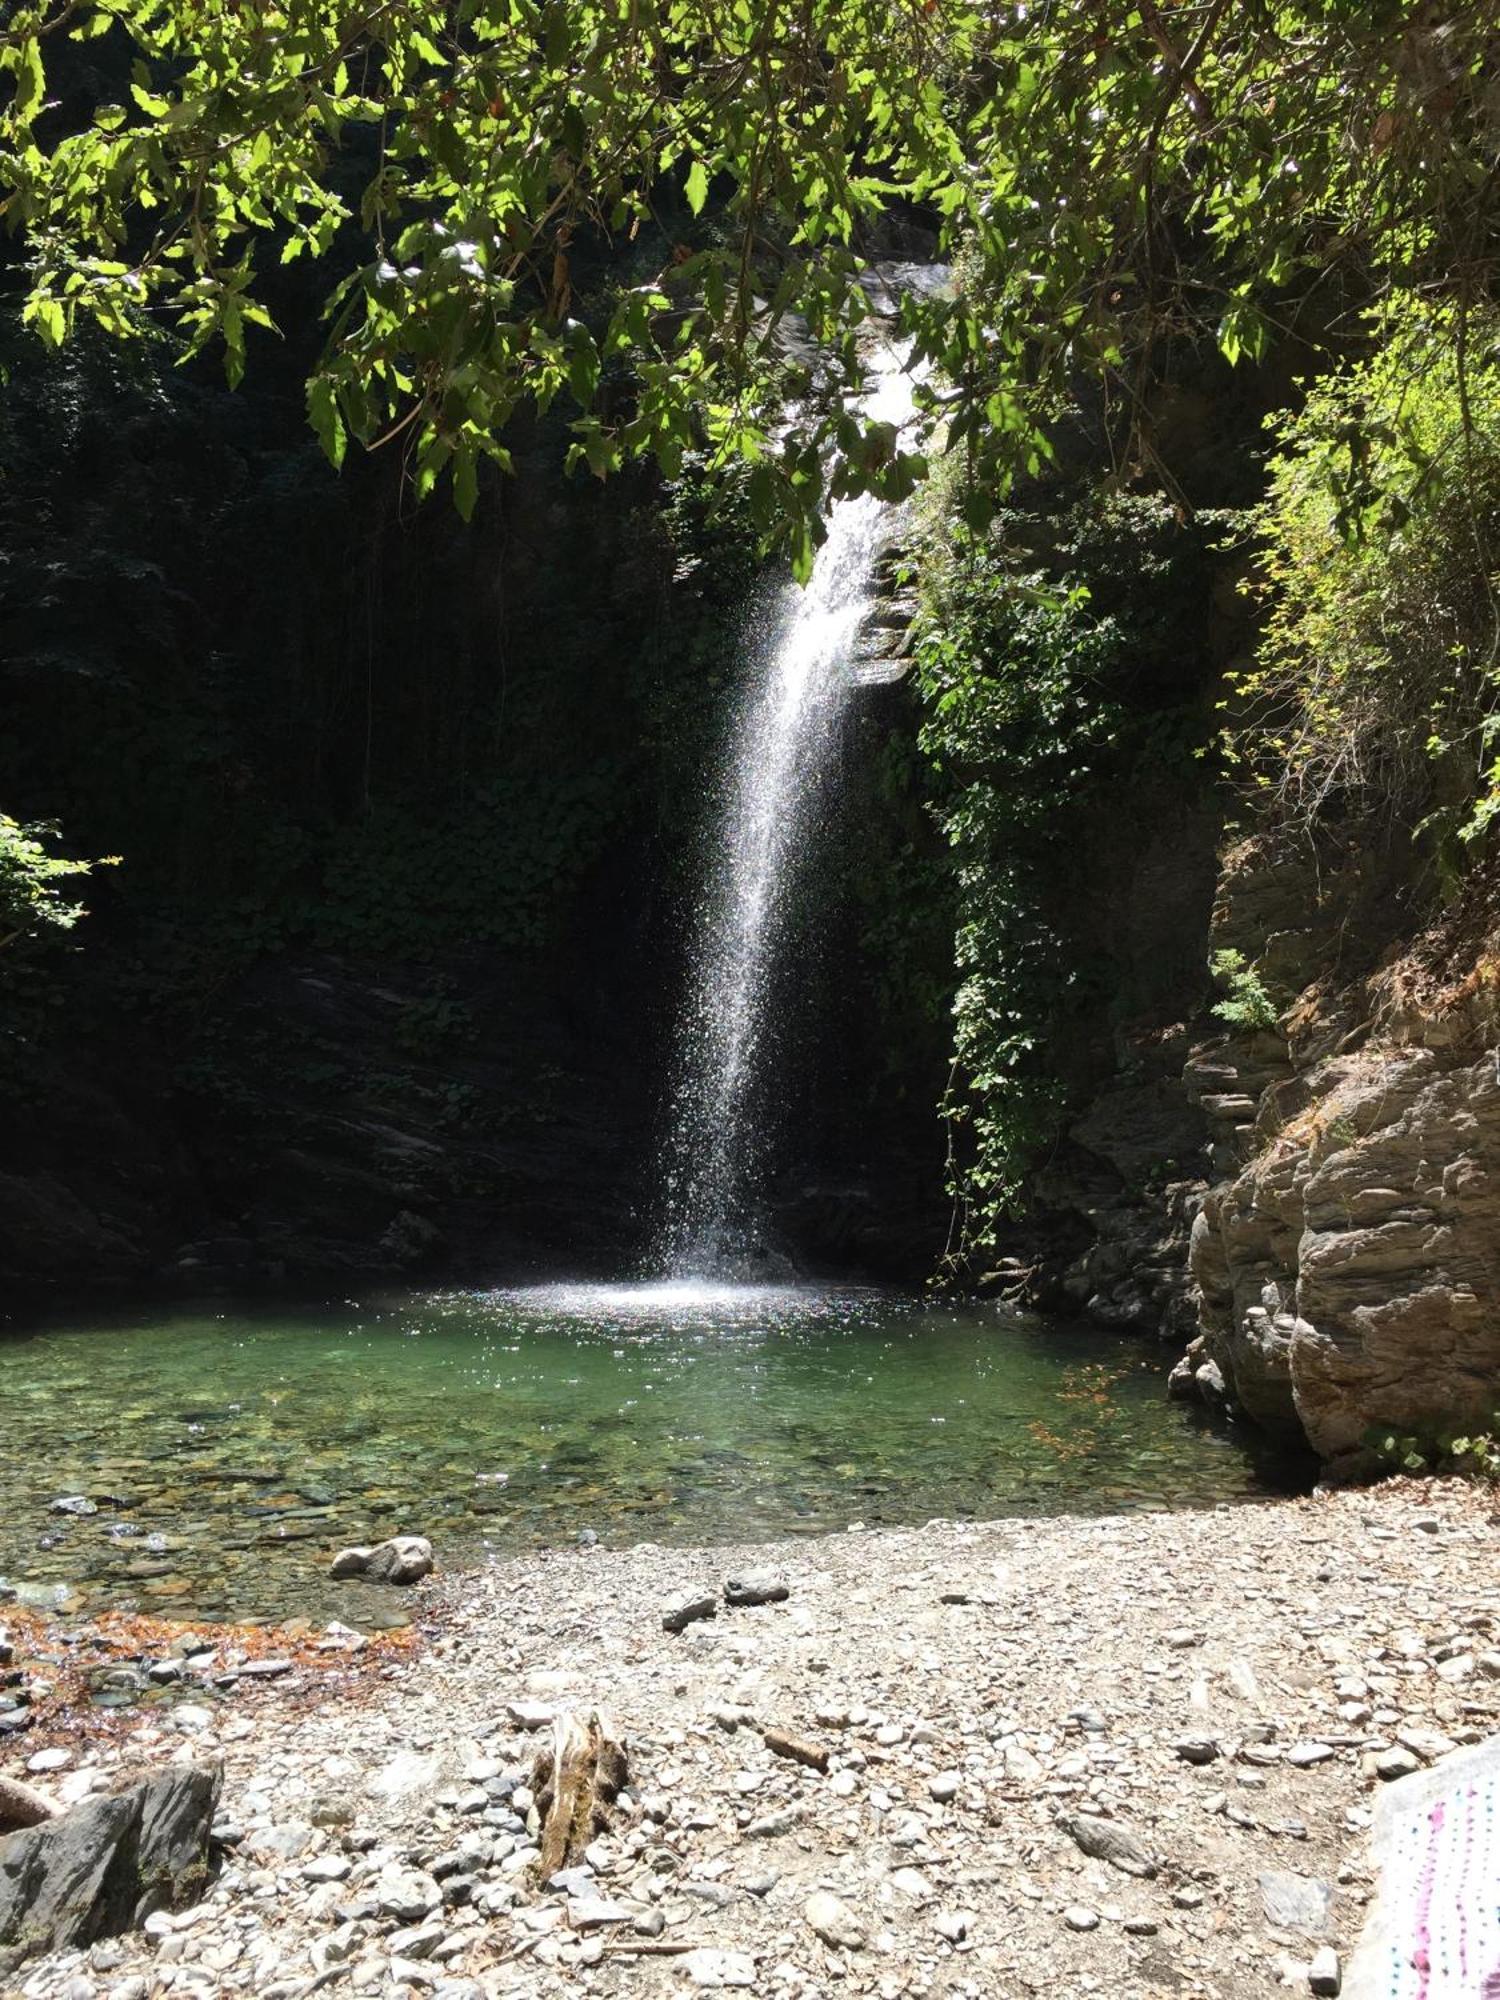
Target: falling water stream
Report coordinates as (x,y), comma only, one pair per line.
(222,1452)
(782,744)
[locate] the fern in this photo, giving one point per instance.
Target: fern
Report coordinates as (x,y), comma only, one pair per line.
(1246,1003)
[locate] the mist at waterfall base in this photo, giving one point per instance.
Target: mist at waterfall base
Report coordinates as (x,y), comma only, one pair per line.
(776,784)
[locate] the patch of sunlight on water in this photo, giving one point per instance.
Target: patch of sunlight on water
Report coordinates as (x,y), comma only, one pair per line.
(667,1299)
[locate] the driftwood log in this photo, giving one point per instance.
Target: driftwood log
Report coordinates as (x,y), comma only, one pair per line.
(800,1752)
(576,1783)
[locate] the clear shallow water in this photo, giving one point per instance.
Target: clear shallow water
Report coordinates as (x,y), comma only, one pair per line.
(232,1449)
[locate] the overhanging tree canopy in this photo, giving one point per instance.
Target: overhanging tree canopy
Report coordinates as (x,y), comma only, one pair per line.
(1107,173)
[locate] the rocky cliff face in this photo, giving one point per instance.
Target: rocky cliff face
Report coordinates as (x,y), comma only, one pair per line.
(1345,1258)
(1347,1275)
(408,817)
(1314,1208)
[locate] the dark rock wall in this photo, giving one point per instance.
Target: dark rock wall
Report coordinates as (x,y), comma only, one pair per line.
(372,984)
(408,816)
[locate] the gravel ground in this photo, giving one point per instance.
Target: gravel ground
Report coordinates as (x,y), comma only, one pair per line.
(1211,1699)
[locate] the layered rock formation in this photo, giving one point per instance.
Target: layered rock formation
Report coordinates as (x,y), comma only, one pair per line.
(1348,1274)
(1346,1259)
(1316,1204)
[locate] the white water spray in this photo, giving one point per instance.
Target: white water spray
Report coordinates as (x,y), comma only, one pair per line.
(784,736)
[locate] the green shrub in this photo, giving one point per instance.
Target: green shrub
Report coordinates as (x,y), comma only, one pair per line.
(33,902)
(1472,1457)
(1050,710)
(1009,729)
(1246,1003)
(1378,569)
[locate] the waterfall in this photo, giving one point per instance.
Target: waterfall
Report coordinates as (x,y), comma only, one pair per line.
(784,734)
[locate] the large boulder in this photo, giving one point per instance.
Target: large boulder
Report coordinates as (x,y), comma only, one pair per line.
(1347,1276)
(107,1864)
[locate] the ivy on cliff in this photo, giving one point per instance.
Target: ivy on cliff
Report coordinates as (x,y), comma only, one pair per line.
(1051,708)
(1011,680)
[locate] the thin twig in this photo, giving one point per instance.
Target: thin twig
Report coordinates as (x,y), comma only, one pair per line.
(652,1948)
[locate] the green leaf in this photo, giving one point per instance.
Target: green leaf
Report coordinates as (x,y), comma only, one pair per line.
(31,81)
(323,414)
(152,105)
(696,189)
(465,479)
(49,319)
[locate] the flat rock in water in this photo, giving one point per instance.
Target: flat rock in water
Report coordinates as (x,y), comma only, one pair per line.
(402,1559)
(107,1864)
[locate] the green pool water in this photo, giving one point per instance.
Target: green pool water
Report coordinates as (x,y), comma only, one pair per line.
(231,1450)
